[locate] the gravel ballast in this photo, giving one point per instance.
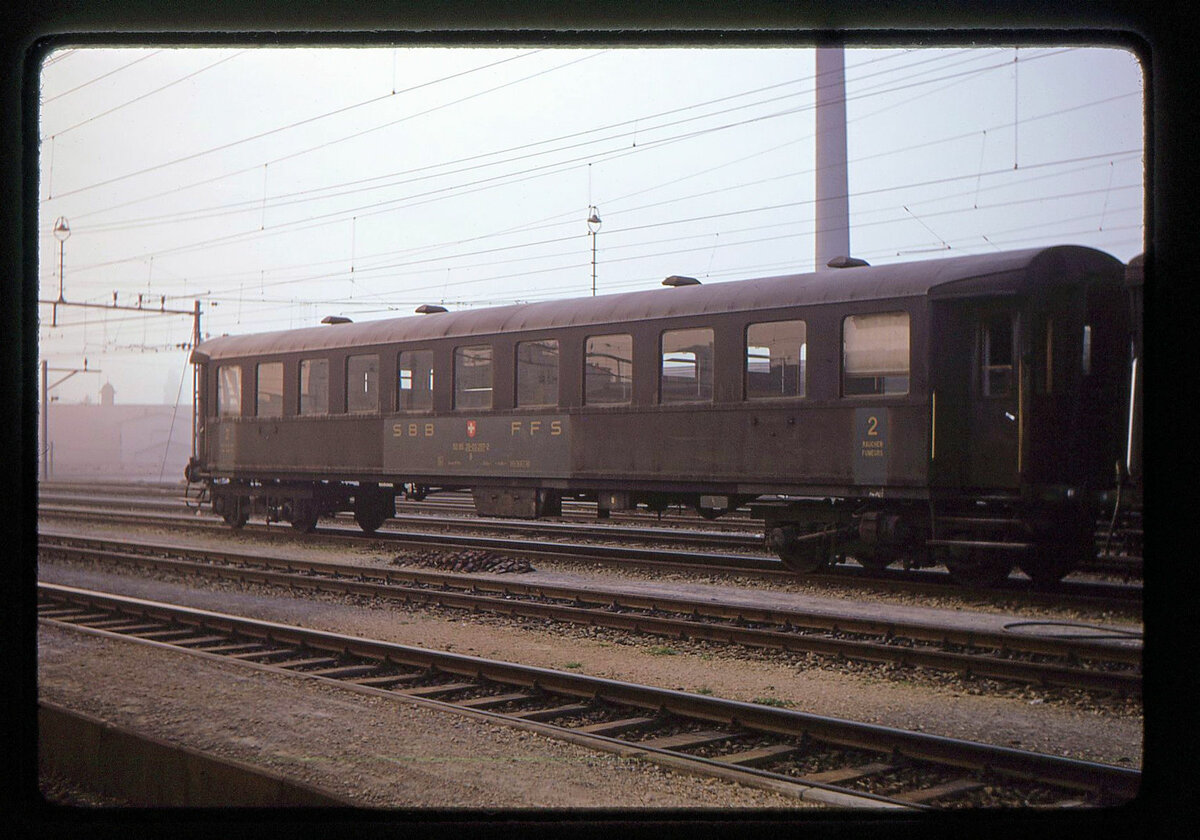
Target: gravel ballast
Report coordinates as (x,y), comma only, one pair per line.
(391,754)
(378,752)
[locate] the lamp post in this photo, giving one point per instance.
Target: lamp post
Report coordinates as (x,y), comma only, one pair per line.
(593,224)
(62,231)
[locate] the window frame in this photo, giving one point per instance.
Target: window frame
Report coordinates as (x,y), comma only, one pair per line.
(802,358)
(374,409)
(556,386)
(300,388)
(700,370)
(423,351)
(986,371)
(457,392)
(627,383)
(882,376)
(277,374)
(236,391)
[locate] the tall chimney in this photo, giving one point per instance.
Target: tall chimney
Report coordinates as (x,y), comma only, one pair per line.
(833,188)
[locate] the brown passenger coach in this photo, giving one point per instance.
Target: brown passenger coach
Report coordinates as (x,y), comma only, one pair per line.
(972,411)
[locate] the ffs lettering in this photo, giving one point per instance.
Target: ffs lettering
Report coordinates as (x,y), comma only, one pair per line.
(534,428)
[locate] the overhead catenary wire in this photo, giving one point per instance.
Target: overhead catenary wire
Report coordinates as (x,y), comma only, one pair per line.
(346,109)
(327,143)
(622,240)
(47,100)
(363,269)
(342,215)
(806,107)
(402,307)
(491,278)
(393,268)
(559,268)
(60,132)
(642,281)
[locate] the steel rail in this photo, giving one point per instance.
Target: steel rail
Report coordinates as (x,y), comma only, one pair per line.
(197,627)
(744,539)
(1069,593)
(787,630)
(746,535)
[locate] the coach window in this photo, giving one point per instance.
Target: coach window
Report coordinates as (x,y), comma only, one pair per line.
(608,370)
(314,386)
(687,366)
(775,358)
(473,377)
(414,380)
(362,383)
(229,390)
(875,356)
(537,373)
(996,355)
(269,395)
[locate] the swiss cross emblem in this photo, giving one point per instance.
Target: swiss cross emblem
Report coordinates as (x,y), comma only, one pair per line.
(470,428)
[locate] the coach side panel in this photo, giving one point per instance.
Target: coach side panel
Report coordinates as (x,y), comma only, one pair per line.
(825,435)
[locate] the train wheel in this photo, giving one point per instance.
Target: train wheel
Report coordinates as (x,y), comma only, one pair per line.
(369,520)
(800,555)
(237,515)
(976,568)
(1050,562)
(372,509)
(304,516)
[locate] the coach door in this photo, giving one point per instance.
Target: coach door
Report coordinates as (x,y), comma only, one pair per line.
(996,420)
(976,405)
(1076,403)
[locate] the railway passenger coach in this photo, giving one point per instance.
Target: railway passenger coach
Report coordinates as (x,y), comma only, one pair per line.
(967,411)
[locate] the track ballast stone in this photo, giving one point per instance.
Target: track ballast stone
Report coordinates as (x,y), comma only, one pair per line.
(466,561)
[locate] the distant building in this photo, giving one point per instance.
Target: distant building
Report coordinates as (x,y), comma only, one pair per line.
(133,442)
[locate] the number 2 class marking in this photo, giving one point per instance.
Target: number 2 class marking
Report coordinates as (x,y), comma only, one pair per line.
(872,426)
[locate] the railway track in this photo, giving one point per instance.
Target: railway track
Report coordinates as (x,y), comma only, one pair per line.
(1119,549)
(815,758)
(1083,594)
(1103,659)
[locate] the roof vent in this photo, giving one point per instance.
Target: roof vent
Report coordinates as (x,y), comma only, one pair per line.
(676,280)
(846,262)
(336,319)
(429,309)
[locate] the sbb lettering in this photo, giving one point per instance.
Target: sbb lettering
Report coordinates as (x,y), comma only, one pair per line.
(412,430)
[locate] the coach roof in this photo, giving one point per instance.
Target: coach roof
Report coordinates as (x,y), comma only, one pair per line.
(996,273)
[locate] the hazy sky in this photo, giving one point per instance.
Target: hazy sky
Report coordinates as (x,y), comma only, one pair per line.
(278,186)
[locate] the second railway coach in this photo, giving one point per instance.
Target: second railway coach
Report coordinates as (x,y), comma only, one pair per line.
(967,411)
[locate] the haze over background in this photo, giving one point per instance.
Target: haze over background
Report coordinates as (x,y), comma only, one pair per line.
(278,186)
